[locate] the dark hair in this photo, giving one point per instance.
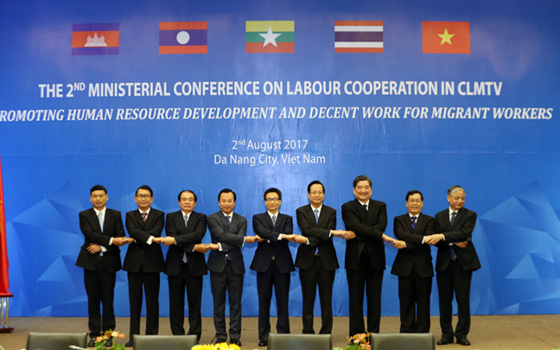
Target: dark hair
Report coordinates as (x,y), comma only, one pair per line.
(98,188)
(453,189)
(180,193)
(316,182)
(410,193)
(147,188)
(272,189)
(227,190)
(361,178)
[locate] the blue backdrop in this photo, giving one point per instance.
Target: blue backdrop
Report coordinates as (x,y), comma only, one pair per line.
(68,122)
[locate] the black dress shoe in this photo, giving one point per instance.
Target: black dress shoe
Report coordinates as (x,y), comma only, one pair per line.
(218,341)
(443,341)
(91,343)
(263,342)
(109,343)
(129,344)
(463,341)
(235,341)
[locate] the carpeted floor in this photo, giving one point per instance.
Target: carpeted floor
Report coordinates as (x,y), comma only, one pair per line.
(527,332)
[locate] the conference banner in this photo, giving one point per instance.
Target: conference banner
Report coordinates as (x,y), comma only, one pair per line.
(247,95)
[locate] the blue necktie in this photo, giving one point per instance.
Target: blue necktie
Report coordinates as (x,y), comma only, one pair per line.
(228,219)
(452,253)
(413,221)
(316,216)
(100,217)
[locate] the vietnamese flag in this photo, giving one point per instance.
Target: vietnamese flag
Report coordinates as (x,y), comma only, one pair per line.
(446,37)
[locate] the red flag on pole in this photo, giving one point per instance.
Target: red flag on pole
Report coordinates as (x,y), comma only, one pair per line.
(4,280)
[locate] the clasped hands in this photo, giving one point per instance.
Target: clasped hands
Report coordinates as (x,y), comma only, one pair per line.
(118,241)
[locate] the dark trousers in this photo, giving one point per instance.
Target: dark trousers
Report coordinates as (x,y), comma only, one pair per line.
(100,289)
(151,287)
(454,279)
(372,280)
(177,286)
(315,276)
(281,282)
(414,299)
(232,283)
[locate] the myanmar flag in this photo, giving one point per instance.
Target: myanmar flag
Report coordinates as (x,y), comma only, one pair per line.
(446,37)
(269,37)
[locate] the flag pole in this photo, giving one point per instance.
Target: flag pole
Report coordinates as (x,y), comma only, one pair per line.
(4,264)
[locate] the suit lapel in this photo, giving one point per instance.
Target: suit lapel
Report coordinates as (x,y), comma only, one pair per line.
(310,212)
(458,217)
(138,218)
(269,220)
(225,221)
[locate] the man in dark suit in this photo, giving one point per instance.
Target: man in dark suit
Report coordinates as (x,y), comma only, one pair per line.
(316,257)
(226,265)
(365,219)
(455,263)
(144,261)
(413,265)
(100,258)
(273,263)
(185,264)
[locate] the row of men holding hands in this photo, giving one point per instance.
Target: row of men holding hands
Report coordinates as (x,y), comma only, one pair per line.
(365,221)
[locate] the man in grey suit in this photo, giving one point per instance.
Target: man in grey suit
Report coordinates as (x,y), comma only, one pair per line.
(226,266)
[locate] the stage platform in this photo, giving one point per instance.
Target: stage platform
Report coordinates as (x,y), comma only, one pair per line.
(526,332)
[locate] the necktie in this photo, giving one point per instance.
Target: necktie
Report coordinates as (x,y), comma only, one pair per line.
(273,220)
(413,221)
(365,207)
(452,253)
(228,219)
(100,217)
(144,215)
(316,216)
(185,253)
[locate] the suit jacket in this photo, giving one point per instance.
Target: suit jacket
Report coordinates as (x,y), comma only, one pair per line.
(186,238)
(369,227)
(149,257)
(318,236)
(112,227)
(231,237)
(462,229)
(262,224)
(415,252)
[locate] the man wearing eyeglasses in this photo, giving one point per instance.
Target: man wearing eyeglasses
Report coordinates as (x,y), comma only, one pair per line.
(273,263)
(316,257)
(185,264)
(144,261)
